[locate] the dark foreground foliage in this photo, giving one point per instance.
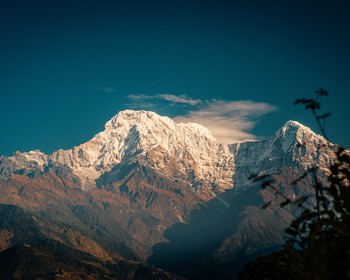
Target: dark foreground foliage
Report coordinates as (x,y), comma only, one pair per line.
(320,248)
(319,239)
(317,248)
(318,244)
(270,267)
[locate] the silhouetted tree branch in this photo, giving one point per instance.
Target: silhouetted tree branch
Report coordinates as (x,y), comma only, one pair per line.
(314,105)
(318,245)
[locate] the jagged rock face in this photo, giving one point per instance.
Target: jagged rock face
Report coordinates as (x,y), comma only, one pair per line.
(294,145)
(185,152)
(129,183)
(117,194)
(23,163)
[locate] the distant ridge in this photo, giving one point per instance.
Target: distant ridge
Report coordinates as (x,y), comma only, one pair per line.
(123,194)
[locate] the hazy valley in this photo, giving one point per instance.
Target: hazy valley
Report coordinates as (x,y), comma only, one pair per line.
(148,192)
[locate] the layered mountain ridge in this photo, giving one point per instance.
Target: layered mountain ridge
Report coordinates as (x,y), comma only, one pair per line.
(199,157)
(145,177)
(293,145)
(131,134)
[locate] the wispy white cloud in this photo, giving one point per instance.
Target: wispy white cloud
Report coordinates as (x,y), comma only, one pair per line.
(230,122)
(107,89)
(179,99)
(168,97)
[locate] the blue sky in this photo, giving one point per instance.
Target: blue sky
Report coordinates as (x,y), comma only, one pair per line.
(69,66)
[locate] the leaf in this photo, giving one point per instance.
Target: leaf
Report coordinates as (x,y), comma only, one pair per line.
(267,183)
(302,199)
(253,176)
(321,92)
(299,178)
(265,205)
(313,105)
(298,101)
(324,116)
(290,231)
(285,203)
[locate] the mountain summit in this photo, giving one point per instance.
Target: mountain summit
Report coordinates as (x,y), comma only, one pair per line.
(144,180)
(183,151)
(140,135)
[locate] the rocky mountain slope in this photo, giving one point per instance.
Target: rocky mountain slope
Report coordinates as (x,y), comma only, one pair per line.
(129,136)
(293,145)
(146,180)
(28,261)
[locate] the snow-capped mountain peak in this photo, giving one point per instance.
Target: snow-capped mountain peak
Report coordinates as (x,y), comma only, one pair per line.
(130,117)
(178,151)
(132,134)
(294,133)
(293,145)
(23,163)
(291,128)
(152,126)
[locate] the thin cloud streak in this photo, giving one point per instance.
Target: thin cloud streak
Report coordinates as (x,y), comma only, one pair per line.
(183,99)
(230,122)
(107,89)
(179,99)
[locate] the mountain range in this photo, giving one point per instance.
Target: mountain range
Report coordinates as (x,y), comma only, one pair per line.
(149,190)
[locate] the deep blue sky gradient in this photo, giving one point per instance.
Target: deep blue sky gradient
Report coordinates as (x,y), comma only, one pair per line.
(55,56)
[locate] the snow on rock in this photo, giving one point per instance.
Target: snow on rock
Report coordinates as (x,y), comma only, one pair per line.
(185,152)
(25,163)
(293,145)
(133,134)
